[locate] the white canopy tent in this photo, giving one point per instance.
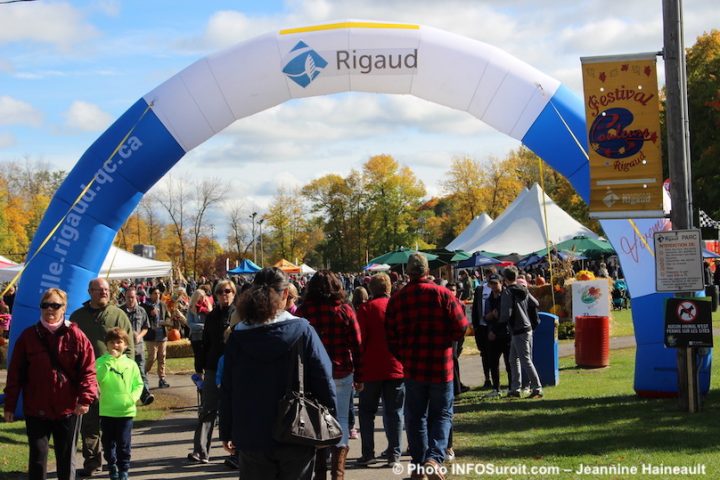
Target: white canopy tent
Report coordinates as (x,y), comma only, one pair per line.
(306,269)
(471,233)
(117,264)
(4,261)
(521,227)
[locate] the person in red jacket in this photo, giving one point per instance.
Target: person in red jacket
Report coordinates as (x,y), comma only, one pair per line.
(382,376)
(422,321)
(53,365)
(336,324)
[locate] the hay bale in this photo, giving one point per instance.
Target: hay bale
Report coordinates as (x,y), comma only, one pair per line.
(179,349)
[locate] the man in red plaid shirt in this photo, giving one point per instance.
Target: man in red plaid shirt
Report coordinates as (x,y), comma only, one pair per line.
(422,321)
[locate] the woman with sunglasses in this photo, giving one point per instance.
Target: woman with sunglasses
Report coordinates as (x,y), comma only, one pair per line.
(53,365)
(213,346)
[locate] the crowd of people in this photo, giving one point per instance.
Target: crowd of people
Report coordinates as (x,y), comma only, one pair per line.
(390,338)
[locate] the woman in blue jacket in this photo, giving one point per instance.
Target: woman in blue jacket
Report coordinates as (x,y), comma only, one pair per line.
(258,363)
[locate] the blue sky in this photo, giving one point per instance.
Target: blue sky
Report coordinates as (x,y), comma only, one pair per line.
(68,69)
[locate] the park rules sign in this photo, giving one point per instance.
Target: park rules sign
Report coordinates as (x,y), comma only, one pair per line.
(688,322)
(678,261)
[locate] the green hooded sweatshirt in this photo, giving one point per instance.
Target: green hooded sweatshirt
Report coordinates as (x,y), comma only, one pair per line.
(120,385)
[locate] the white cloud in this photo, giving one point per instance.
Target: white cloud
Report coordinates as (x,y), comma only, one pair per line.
(111,8)
(86,117)
(7,140)
(58,24)
(6,66)
(17,112)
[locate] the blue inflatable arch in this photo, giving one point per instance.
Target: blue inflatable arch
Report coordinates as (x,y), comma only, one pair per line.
(109,180)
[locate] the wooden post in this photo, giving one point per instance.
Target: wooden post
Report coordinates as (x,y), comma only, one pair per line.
(678,139)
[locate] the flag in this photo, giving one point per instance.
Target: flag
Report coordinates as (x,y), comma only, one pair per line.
(707,222)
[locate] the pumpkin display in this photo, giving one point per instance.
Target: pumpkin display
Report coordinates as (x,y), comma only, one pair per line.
(173,335)
(585,275)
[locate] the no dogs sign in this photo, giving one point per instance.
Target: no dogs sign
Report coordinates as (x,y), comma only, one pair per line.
(688,323)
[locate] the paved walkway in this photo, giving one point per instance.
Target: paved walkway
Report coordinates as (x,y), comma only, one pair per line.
(160,448)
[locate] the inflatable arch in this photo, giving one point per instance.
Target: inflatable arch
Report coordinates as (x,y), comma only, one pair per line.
(111,177)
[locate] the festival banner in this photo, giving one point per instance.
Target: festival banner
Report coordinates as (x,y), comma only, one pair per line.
(623,124)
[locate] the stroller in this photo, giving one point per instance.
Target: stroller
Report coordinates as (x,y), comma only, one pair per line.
(619,295)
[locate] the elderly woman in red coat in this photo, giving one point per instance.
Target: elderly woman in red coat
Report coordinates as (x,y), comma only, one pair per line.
(53,365)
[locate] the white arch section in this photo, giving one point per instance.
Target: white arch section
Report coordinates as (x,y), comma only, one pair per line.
(449,69)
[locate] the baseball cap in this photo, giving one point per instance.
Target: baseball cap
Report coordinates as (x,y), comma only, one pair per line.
(417,264)
(494,278)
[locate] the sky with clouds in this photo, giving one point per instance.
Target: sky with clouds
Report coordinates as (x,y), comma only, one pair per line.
(68,69)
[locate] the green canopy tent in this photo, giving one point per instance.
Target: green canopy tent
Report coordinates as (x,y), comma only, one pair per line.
(400,257)
(588,247)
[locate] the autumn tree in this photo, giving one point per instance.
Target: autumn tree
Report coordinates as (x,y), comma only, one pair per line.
(502,184)
(239,239)
(173,196)
(464,185)
(207,193)
(703,84)
(26,188)
(287,224)
(529,168)
(394,195)
(328,197)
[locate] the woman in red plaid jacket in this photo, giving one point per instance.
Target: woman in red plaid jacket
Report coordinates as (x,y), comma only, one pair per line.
(334,320)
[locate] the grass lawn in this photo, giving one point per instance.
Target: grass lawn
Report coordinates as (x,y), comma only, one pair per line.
(591,418)
(13,441)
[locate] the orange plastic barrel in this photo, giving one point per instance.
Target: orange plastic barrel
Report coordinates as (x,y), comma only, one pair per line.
(592,341)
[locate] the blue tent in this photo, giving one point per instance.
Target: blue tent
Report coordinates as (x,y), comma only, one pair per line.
(246,266)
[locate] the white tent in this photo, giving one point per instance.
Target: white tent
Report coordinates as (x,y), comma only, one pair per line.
(521,227)
(471,233)
(305,268)
(4,261)
(117,264)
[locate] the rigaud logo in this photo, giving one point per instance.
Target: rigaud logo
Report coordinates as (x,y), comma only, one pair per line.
(305,64)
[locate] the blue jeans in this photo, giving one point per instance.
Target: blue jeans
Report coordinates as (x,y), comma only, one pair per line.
(116,441)
(428,418)
(140,360)
(393,398)
(344,389)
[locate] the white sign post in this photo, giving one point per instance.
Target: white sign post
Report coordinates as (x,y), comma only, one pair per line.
(678,261)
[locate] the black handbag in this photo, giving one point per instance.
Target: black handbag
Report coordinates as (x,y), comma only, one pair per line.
(301,419)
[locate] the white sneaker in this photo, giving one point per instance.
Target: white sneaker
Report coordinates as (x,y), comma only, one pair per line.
(449,454)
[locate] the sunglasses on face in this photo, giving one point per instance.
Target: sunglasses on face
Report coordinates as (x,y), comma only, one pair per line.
(226,291)
(51,306)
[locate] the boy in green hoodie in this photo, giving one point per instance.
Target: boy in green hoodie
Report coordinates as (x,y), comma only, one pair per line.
(120,388)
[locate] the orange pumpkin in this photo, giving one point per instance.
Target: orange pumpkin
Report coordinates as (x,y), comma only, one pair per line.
(174,335)
(585,275)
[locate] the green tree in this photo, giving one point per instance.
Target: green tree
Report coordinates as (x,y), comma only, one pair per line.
(329,197)
(703,71)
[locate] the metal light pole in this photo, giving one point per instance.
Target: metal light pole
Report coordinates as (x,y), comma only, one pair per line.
(252,216)
(262,253)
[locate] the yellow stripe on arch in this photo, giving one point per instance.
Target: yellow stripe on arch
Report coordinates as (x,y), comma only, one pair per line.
(341,25)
